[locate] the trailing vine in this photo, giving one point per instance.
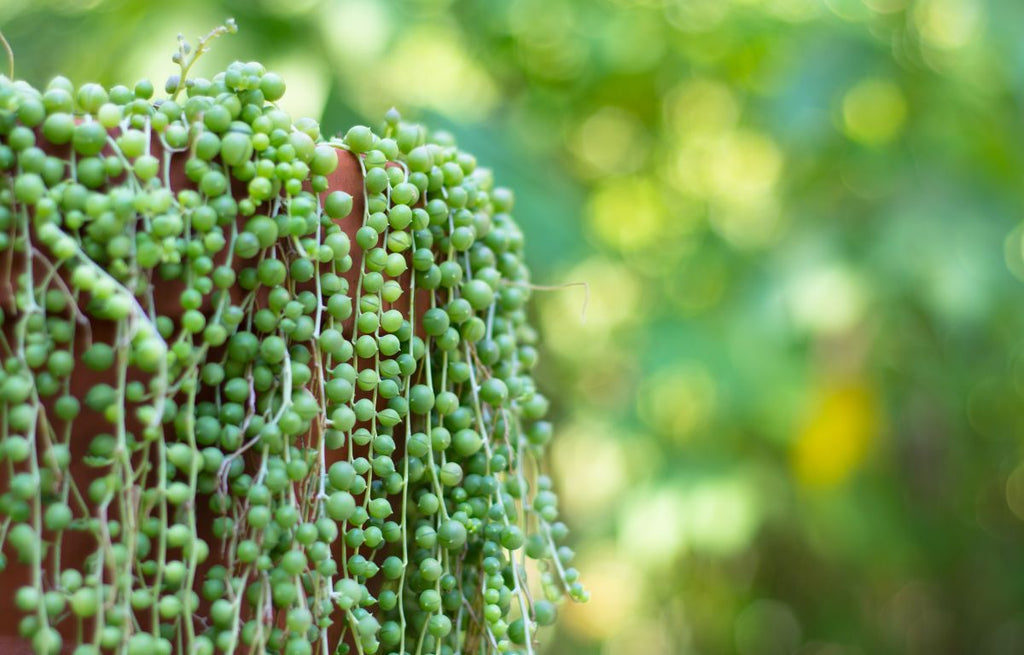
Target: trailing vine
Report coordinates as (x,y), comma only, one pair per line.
(307,445)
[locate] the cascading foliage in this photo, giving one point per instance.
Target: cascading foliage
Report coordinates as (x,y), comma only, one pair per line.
(305,446)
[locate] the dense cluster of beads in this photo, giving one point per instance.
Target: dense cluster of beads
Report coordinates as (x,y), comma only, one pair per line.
(308,445)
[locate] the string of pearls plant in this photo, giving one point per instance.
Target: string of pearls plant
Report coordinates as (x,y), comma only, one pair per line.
(324,448)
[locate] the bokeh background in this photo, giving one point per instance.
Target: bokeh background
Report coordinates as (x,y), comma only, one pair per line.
(791,413)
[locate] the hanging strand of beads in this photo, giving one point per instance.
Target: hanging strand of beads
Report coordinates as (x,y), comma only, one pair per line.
(225,427)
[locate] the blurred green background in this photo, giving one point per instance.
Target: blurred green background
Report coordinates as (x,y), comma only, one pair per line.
(791,417)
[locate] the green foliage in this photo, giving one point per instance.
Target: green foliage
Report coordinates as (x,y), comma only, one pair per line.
(254,381)
(791,416)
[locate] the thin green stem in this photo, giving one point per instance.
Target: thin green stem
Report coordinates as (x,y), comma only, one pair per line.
(10,55)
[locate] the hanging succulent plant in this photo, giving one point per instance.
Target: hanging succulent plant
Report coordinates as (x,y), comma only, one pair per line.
(226,427)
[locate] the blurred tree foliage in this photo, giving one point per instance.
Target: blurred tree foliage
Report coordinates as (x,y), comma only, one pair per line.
(791,418)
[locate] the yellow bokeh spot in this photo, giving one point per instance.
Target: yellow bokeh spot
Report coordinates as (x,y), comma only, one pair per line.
(660,514)
(715,515)
(736,173)
(736,170)
(747,222)
(836,435)
(679,401)
(744,163)
(700,107)
(551,48)
(826,299)
(608,141)
(948,24)
(721,515)
(628,214)
(456,86)
(633,41)
(874,112)
(587,492)
(356,31)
